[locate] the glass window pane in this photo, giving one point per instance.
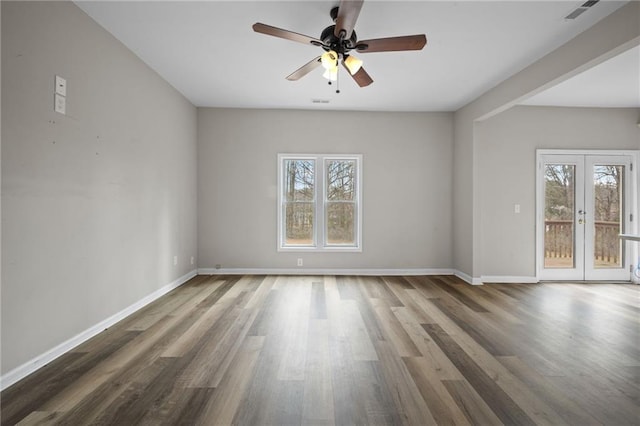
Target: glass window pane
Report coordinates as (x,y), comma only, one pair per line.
(341,180)
(559,235)
(298,180)
(607,186)
(341,223)
(299,223)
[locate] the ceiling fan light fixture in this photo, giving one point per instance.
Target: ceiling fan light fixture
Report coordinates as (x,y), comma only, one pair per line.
(329,60)
(353,64)
(331,74)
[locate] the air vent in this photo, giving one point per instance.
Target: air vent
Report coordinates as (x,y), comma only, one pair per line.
(590,3)
(580,10)
(573,15)
(319,101)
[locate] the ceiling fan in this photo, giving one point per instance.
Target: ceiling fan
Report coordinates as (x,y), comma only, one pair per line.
(339,40)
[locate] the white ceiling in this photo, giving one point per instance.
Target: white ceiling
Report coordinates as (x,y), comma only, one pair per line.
(614,83)
(208,51)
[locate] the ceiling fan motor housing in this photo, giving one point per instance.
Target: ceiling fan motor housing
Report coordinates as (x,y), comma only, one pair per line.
(341,46)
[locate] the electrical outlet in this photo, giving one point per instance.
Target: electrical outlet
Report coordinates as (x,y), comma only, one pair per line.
(516,208)
(60,104)
(192,260)
(175,260)
(299,261)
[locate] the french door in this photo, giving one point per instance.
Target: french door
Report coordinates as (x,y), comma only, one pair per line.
(583,205)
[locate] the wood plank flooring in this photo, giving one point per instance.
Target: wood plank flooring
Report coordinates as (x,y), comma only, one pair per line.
(335,350)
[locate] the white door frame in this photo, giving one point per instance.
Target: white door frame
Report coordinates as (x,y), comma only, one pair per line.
(631,194)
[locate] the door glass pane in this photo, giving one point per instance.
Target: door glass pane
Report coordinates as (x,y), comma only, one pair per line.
(607,188)
(559,234)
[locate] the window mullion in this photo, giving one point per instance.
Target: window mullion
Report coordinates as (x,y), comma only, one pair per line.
(320,203)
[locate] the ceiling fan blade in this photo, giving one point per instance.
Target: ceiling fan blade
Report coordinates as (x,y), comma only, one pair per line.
(285,34)
(348,12)
(361,77)
(305,69)
(392,44)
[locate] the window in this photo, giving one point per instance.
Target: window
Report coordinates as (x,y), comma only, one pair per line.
(319,201)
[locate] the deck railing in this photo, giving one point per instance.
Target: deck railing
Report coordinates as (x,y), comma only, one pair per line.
(559,240)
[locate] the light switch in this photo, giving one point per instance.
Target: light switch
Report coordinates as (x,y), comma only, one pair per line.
(516,208)
(60,104)
(61,86)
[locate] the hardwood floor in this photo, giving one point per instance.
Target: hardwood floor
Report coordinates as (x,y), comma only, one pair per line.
(323,350)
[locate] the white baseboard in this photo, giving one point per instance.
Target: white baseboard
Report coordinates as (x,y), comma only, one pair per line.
(508,279)
(322,271)
(494,279)
(468,278)
(40,361)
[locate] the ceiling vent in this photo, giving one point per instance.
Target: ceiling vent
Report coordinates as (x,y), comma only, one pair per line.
(320,101)
(580,10)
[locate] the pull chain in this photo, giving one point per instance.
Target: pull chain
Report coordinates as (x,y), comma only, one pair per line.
(337,80)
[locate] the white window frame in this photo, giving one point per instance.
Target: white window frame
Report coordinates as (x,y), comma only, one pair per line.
(319,230)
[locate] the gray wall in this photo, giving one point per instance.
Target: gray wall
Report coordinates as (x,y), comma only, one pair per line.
(609,37)
(463,192)
(506,146)
(407,204)
(96,203)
